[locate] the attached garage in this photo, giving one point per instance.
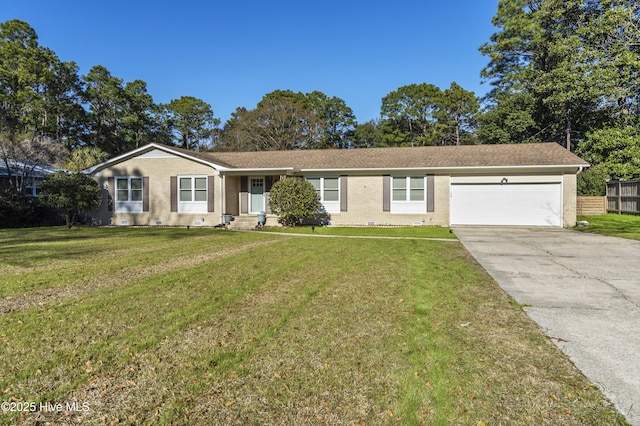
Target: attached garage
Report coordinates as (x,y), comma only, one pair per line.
(514,201)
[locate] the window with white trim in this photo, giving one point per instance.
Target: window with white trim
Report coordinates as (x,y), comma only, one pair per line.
(32,188)
(129,194)
(409,188)
(192,194)
(408,194)
(328,189)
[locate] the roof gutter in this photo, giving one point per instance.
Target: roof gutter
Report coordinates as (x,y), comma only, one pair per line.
(260,171)
(447,169)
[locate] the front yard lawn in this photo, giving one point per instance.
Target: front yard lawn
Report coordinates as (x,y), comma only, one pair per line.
(370,231)
(200,326)
(615,225)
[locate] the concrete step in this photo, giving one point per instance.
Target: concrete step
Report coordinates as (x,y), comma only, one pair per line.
(248,222)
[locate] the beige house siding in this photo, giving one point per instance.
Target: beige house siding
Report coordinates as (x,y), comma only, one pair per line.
(159,172)
(365,205)
(570,189)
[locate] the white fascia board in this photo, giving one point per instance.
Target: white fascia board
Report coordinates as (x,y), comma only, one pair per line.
(557,168)
(258,171)
(464,169)
(366,171)
(498,178)
(120,158)
(132,154)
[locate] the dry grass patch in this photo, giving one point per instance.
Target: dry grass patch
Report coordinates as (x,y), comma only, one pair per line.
(107,278)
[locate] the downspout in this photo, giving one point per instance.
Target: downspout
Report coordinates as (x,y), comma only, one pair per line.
(222,197)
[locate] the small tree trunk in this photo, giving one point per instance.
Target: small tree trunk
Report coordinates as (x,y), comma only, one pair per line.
(70,216)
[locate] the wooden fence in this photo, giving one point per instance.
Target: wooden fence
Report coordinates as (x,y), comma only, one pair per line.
(623,196)
(591,206)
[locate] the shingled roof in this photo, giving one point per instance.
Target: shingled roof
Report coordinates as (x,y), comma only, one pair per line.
(531,154)
(426,157)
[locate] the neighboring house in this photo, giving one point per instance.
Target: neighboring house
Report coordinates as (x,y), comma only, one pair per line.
(30,175)
(522,184)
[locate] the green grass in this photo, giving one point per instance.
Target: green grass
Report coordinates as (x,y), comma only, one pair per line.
(615,225)
(216,327)
(371,231)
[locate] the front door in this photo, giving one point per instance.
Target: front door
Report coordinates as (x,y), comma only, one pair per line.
(256,195)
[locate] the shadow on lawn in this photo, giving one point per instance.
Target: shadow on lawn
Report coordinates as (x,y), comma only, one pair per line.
(25,247)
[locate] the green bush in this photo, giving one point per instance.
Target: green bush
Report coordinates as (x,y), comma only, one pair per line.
(593,181)
(294,200)
(71,193)
(16,210)
(616,148)
(20,211)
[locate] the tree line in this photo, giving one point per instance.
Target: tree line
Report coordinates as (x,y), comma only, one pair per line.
(567,71)
(46,106)
(559,70)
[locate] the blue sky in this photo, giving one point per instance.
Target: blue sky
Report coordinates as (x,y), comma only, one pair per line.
(231,53)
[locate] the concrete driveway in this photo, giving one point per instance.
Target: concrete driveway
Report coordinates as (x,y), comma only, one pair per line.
(584,292)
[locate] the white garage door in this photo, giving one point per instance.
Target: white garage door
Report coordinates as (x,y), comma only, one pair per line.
(535,204)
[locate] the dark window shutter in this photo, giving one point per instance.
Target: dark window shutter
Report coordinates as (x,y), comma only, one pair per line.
(174,193)
(145,193)
(111,190)
(386,193)
(210,199)
(343,193)
(430,195)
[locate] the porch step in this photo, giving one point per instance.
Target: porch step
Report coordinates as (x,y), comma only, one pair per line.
(249,222)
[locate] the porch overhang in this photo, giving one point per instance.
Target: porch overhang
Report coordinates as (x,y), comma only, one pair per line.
(289,171)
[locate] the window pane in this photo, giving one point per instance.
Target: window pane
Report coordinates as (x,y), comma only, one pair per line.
(122,183)
(136,183)
(417,195)
(417,189)
(136,195)
(399,189)
(201,195)
(123,195)
(399,195)
(201,183)
(399,183)
(331,195)
(185,195)
(330,183)
(315,182)
(185,183)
